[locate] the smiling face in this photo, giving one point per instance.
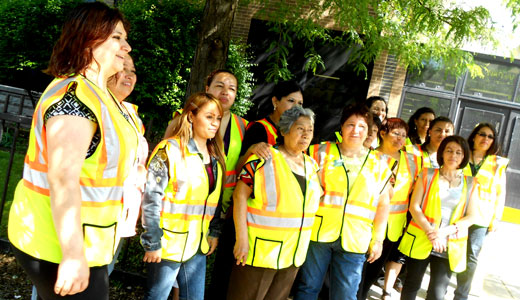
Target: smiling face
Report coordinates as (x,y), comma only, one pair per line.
(395,139)
(423,123)
(207,121)
(379,108)
(224,88)
(110,55)
(483,139)
(122,84)
(439,132)
(453,155)
(371,136)
(287,102)
(354,131)
(300,135)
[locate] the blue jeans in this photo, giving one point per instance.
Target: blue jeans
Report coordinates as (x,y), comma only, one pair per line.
(476,235)
(345,272)
(190,275)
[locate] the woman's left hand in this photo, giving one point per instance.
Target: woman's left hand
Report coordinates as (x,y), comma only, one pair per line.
(374,251)
(213,242)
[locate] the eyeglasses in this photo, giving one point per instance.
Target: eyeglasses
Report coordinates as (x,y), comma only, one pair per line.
(397,134)
(483,135)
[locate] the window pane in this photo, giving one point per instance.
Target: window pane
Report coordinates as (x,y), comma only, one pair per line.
(413,101)
(499,82)
(432,76)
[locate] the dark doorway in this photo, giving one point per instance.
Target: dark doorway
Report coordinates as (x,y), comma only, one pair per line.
(325,92)
(507,124)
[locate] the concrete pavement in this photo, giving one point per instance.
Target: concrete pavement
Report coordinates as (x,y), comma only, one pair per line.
(498,272)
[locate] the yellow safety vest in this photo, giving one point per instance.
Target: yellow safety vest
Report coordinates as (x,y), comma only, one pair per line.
(407,171)
(280,217)
(31,227)
(490,177)
(272,132)
(236,136)
(237,131)
(132,110)
(422,155)
(187,208)
(343,213)
(415,243)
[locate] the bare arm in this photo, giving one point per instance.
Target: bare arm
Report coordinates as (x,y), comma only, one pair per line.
(240,196)
(260,149)
(68,139)
(380,221)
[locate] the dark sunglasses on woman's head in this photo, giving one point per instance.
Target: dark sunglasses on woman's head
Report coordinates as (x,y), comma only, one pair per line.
(489,136)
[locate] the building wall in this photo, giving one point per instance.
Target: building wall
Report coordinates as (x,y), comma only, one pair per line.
(388,75)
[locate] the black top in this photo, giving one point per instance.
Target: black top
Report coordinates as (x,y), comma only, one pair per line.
(303,183)
(255,134)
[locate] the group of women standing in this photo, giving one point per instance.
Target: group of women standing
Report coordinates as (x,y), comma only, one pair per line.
(286,214)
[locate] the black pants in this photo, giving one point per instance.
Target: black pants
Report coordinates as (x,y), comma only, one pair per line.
(224,262)
(440,275)
(43,275)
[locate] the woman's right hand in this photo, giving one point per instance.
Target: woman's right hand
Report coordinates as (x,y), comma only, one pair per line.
(241,250)
(152,256)
(261,150)
(439,245)
(73,276)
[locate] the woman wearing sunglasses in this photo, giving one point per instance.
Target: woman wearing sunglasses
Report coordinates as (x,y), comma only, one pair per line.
(490,171)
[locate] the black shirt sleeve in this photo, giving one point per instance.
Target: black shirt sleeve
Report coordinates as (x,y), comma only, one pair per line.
(254,135)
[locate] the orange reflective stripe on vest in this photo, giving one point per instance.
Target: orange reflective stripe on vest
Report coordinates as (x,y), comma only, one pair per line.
(355,208)
(415,243)
(272,133)
(237,130)
(187,208)
(280,217)
(101,179)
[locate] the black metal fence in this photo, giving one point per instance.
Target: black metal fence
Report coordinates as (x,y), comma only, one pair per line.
(16,110)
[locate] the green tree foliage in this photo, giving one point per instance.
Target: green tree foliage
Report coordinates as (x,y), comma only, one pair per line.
(163,37)
(29,30)
(239,61)
(413,30)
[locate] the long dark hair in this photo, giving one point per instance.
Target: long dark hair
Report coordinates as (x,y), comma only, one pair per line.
(412,132)
(432,123)
(494,148)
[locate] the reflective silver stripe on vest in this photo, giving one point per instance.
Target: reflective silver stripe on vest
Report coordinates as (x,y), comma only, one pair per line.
(39,115)
(279,222)
(88,193)
(332,200)
(109,136)
(188,209)
(181,178)
(231,179)
(35,177)
(101,194)
(398,207)
(270,185)
(411,162)
(360,211)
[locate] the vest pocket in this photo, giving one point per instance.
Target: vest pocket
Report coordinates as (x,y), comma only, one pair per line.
(174,244)
(316,227)
(99,243)
(267,253)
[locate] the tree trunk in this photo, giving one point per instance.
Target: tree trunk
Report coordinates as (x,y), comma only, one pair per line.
(213,44)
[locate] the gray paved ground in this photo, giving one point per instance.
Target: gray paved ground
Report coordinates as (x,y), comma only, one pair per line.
(498,273)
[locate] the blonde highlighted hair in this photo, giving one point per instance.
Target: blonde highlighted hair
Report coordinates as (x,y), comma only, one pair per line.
(183,128)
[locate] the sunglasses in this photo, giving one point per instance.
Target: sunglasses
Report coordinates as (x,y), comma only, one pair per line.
(483,135)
